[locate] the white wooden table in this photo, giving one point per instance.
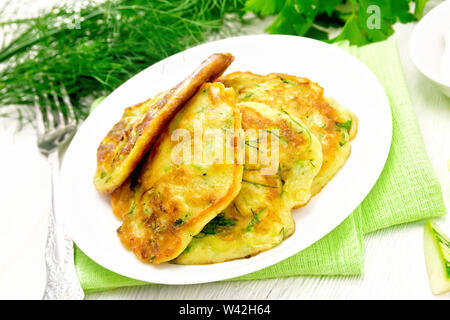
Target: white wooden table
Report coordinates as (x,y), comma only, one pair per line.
(394,262)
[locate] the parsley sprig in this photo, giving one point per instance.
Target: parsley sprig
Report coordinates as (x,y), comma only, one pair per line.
(363,21)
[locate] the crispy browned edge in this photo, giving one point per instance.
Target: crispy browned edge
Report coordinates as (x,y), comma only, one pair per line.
(162,111)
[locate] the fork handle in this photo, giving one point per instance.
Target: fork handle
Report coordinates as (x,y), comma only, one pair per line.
(62,281)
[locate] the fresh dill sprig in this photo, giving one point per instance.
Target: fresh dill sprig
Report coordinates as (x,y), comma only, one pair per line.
(92,50)
(218,224)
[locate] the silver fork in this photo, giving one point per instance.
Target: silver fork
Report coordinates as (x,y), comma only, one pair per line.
(53,130)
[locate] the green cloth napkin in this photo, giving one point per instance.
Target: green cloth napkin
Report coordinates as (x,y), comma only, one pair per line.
(406,191)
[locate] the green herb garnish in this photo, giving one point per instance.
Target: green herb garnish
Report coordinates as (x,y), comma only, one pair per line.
(281,179)
(255,219)
(167,169)
(132,208)
(259,184)
(236,208)
(292,83)
(250,145)
(298,124)
(219,224)
(343,139)
(198,168)
(345,125)
(179,222)
(248,95)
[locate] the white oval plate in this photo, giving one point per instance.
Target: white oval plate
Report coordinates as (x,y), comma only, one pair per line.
(88,216)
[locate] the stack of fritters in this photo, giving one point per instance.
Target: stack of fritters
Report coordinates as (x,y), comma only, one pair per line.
(190,211)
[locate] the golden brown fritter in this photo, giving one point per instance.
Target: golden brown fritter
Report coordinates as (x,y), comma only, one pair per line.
(128,141)
(171,201)
(333,125)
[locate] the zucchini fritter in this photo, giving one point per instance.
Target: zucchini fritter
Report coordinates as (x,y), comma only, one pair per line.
(169,202)
(260,217)
(333,125)
(129,139)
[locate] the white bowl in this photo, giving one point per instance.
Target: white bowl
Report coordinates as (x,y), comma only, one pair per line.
(427,45)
